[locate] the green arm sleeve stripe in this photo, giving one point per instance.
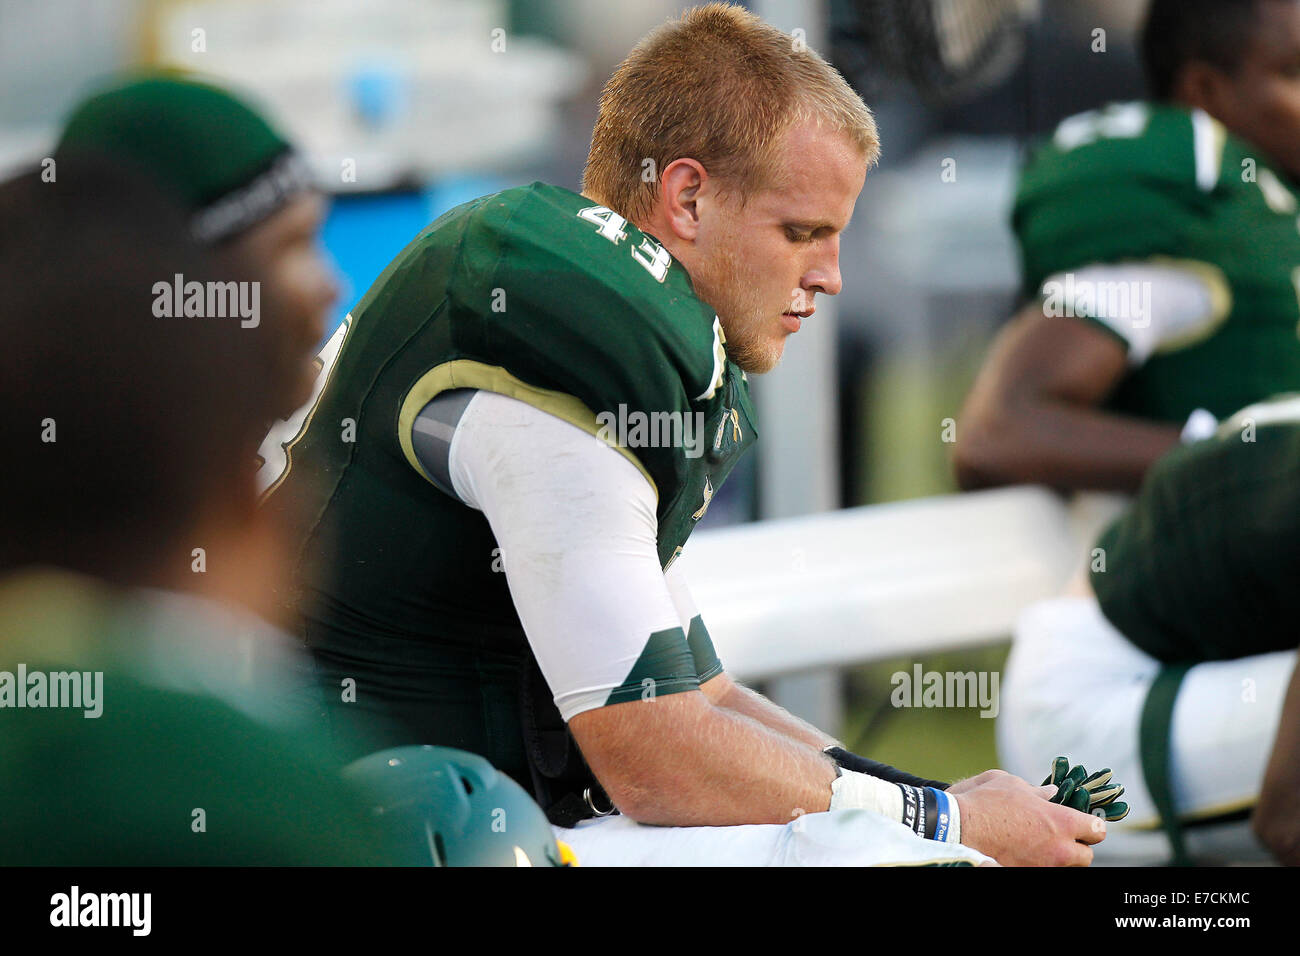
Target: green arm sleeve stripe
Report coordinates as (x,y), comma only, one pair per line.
(466,373)
(664,667)
(707,664)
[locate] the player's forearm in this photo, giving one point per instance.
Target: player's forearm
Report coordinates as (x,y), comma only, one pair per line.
(754,705)
(1062,445)
(690,763)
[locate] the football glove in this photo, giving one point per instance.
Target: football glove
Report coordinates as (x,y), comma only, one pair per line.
(1093,793)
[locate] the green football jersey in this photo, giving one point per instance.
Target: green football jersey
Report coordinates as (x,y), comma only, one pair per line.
(541,295)
(1204,563)
(130,735)
(1144,183)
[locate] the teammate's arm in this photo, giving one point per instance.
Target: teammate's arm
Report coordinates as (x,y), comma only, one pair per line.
(1276,822)
(1032,415)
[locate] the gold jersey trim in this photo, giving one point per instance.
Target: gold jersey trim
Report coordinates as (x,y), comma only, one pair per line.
(1216,283)
(467,373)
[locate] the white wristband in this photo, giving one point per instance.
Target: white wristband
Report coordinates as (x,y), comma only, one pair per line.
(863,791)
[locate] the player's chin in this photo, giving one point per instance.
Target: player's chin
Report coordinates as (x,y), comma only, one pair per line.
(768,359)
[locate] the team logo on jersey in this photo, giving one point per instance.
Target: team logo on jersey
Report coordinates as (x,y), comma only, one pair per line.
(708,496)
(732,416)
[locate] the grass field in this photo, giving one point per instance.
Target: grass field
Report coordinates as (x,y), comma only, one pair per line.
(903,407)
(944,743)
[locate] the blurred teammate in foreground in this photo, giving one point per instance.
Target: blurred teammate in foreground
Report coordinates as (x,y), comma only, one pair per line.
(1159,246)
(520,424)
(247,192)
(140,720)
(245,211)
(248,200)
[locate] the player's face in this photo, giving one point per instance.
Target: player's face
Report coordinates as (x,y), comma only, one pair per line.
(300,283)
(1261,103)
(760,265)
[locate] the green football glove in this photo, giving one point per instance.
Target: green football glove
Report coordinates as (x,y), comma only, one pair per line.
(1093,794)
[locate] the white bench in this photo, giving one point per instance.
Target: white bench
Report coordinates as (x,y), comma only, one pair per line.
(840,588)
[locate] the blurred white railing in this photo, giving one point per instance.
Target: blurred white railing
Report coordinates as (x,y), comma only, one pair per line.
(840,588)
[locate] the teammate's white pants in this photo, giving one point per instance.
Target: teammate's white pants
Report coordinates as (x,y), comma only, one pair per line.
(1075,687)
(834,838)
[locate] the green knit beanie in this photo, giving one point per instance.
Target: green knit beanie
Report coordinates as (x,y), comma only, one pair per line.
(216,153)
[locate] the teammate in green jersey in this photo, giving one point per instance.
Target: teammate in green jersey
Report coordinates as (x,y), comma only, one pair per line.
(1161,242)
(515,431)
(146,716)
(1160,246)
(1174,657)
(1203,566)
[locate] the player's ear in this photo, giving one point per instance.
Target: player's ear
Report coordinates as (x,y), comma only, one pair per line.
(679,191)
(1205,87)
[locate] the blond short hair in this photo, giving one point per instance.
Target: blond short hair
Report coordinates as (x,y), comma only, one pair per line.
(719,86)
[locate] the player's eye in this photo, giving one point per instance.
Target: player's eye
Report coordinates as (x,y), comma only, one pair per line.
(794,235)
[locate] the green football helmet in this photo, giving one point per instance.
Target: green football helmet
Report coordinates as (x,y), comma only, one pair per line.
(457,807)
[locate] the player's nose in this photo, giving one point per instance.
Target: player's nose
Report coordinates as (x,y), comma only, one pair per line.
(826,277)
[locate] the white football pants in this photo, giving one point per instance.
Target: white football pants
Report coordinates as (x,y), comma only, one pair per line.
(833,838)
(1075,687)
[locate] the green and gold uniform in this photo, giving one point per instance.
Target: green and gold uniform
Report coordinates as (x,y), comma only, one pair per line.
(534,293)
(1162,187)
(1203,565)
(133,732)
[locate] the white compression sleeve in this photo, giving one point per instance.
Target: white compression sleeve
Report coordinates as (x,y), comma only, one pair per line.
(1153,306)
(575,522)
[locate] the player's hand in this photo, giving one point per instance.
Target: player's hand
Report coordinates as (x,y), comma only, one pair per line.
(1094,793)
(1016,823)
